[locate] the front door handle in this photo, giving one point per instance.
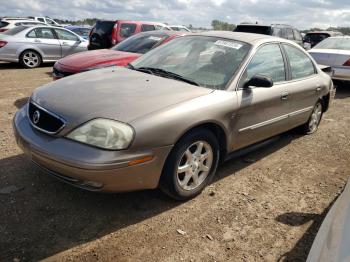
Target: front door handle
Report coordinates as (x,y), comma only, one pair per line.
(318,89)
(37,41)
(284,95)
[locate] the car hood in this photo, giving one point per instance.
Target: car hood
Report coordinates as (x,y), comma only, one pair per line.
(90,59)
(114,93)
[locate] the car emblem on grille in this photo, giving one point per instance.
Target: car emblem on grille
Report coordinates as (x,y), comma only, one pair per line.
(36,117)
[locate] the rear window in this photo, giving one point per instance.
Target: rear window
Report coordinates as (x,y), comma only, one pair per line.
(145,28)
(15,30)
(127,30)
(264,30)
(3,24)
(103,28)
(140,43)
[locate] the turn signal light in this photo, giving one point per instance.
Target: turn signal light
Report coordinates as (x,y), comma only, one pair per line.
(2,43)
(140,161)
(347,63)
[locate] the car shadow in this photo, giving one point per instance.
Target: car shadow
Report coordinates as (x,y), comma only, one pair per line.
(343,90)
(20,102)
(16,66)
(42,216)
(302,248)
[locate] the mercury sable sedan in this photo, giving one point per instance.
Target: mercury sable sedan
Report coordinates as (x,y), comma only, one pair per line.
(170,117)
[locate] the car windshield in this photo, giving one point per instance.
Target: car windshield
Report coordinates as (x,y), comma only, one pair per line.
(205,61)
(140,43)
(15,30)
(334,43)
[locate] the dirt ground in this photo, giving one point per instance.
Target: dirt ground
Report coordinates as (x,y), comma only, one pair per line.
(266,206)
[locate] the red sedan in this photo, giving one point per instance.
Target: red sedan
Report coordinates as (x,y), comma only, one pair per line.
(119,55)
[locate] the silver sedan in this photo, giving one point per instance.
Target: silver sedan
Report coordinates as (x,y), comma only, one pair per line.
(32,46)
(334,52)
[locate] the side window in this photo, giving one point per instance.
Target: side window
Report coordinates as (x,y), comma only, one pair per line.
(65,35)
(41,20)
(31,34)
(127,30)
(50,22)
(297,35)
(290,34)
(277,32)
(44,33)
(268,61)
(301,65)
(145,28)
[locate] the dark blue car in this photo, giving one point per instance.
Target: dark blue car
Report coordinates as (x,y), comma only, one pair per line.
(82,31)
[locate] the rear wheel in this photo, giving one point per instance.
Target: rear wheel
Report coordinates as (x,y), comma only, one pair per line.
(314,121)
(191,165)
(30,59)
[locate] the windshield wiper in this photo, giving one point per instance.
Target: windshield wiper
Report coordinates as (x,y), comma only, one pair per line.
(165,73)
(130,66)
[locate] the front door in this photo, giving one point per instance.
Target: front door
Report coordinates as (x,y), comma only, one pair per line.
(70,43)
(263,112)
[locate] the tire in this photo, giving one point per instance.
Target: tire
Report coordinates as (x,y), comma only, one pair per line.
(198,165)
(314,121)
(30,59)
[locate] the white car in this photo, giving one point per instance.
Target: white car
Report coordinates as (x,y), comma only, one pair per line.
(334,52)
(179,28)
(46,20)
(9,23)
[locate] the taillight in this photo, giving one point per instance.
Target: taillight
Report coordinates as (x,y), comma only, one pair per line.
(114,34)
(2,43)
(3,30)
(347,63)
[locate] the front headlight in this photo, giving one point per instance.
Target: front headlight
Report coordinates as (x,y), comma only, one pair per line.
(104,133)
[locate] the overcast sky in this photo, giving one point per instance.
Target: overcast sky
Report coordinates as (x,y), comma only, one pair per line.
(300,13)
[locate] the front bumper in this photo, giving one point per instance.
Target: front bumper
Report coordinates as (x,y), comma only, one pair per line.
(88,167)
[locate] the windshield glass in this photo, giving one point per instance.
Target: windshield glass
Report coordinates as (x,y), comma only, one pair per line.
(208,61)
(140,43)
(15,30)
(334,43)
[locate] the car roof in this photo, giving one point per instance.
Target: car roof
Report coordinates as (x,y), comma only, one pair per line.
(164,32)
(262,25)
(243,37)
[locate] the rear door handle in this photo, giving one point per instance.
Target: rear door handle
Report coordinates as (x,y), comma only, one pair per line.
(284,96)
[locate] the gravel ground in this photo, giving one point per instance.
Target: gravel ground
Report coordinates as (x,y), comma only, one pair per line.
(265,206)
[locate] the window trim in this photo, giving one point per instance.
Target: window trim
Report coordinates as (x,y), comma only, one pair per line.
(237,87)
(290,79)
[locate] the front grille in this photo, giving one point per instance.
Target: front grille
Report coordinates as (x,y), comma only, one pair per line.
(60,74)
(44,120)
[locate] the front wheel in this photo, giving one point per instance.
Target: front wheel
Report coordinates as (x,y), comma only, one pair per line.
(30,59)
(190,165)
(312,124)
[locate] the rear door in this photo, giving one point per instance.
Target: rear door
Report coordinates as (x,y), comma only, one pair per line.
(46,41)
(304,86)
(70,43)
(263,111)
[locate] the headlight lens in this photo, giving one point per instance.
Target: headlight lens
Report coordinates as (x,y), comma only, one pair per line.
(104,133)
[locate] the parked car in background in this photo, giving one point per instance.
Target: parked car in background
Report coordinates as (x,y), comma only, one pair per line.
(334,52)
(279,30)
(119,55)
(7,24)
(32,46)
(179,28)
(332,240)
(106,34)
(170,117)
(45,19)
(83,31)
(313,38)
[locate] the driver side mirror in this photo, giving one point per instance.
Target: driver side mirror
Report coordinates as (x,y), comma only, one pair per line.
(259,81)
